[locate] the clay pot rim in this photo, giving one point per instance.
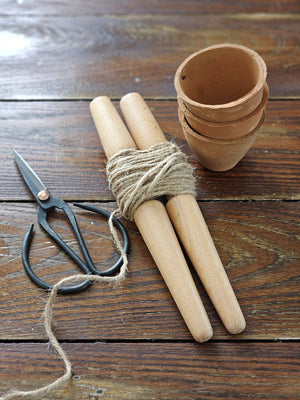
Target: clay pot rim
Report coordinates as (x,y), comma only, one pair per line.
(234,103)
(222,141)
(225,124)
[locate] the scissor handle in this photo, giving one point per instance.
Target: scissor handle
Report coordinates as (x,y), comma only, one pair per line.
(119,225)
(38,281)
(44,209)
(89,267)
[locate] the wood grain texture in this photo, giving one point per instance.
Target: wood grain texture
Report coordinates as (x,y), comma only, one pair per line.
(258,243)
(84,57)
(92,7)
(75,167)
(152,371)
(55,57)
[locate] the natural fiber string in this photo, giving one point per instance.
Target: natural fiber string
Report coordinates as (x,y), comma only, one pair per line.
(135,176)
(48,316)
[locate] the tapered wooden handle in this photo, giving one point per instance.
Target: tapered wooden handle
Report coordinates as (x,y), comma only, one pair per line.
(192,230)
(112,131)
(188,221)
(156,229)
(158,233)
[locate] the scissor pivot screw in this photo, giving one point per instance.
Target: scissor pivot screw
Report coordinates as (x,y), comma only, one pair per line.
(43,195)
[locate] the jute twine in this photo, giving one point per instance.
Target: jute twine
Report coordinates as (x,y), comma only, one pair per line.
(135,176)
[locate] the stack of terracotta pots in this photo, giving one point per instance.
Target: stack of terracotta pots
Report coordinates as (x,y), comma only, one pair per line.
(222,95)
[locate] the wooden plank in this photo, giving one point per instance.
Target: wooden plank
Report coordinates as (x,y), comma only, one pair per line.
(92,7)
(84,56)
(258,243)
(177,371)
(75,167)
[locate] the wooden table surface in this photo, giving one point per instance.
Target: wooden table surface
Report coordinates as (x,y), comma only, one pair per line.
(130,342)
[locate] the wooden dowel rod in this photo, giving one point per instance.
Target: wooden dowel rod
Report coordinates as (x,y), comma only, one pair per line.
(112,131)
(156,229)
(188,221)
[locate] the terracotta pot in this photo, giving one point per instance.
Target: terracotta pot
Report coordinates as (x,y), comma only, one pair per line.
(218,154)
(226,130)
(221,83)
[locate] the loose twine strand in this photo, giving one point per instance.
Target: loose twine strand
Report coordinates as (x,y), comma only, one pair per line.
(48,317)
(134,176)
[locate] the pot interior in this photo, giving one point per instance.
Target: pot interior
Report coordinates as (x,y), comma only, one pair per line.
(220,75)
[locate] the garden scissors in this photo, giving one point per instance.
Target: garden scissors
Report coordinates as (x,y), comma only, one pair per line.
(47,203)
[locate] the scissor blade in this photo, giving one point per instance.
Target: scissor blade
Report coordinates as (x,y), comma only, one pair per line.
(33,181)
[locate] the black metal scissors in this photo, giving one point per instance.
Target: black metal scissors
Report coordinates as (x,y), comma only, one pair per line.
(48,203)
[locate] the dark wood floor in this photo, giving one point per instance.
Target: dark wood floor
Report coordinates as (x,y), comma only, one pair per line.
(129,342)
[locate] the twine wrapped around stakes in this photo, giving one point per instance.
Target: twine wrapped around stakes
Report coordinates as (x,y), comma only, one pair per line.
(135,176)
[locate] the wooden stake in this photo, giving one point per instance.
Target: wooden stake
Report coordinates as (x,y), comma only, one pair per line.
(155,227)
(188,221)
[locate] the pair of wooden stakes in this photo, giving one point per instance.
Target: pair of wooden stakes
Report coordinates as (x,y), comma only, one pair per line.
(156,224)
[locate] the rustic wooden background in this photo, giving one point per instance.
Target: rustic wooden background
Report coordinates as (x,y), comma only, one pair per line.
(129,342)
